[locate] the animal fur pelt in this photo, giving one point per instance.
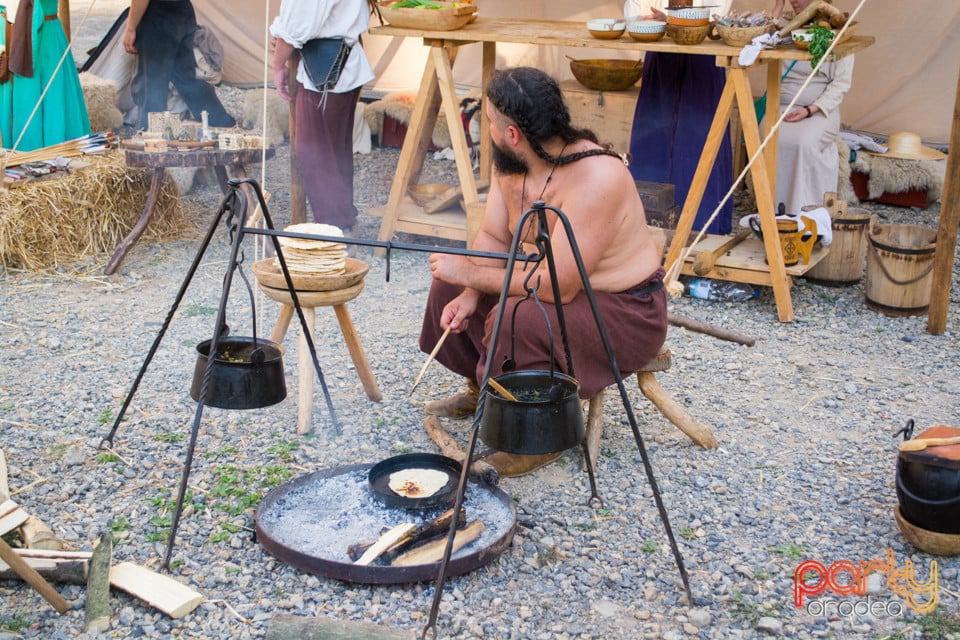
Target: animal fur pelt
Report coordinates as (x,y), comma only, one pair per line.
(895,175)
(399,106)
(844,187)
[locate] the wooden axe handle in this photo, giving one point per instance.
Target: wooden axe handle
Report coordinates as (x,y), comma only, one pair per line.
(922,443)
(704,261)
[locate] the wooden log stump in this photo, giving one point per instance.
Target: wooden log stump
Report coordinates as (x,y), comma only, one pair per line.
(98,585)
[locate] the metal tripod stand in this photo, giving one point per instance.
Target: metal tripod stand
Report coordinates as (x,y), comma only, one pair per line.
(545,252)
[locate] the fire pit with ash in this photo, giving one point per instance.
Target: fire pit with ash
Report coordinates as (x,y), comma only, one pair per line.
(315,521)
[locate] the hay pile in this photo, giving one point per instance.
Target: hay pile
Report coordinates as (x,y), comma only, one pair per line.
(52,222)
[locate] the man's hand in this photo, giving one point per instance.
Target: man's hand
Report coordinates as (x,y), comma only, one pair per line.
(455,315)
(450,268)
(281,79)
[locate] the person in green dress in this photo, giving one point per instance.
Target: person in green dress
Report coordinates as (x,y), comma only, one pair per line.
(41,101)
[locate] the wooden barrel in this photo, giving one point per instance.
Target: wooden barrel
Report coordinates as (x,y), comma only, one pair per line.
(844,264)
(899,266)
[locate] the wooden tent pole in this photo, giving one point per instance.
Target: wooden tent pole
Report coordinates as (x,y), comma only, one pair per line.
(947,230)
(63,10)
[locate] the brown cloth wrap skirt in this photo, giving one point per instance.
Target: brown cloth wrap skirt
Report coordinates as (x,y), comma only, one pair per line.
(635,322)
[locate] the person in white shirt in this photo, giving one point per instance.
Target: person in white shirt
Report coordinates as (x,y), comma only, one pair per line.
(325,114)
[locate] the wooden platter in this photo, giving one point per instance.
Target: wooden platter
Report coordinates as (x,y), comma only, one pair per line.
(449,17)
(268,273)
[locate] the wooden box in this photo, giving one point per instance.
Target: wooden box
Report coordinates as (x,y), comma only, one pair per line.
(609,114)
(656,196)
(664,219)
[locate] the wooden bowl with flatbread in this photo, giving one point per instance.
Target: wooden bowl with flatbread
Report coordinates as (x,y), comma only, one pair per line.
(268,273)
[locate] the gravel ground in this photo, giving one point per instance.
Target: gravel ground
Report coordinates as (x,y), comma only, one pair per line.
(804,470)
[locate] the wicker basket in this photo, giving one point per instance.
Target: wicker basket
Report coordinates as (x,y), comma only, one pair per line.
(738,36)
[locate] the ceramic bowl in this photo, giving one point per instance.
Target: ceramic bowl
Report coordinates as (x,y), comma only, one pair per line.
(606,28)
(801,38)
(690,13)
(646,30)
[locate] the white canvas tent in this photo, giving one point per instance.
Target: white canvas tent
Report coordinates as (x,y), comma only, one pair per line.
(906,81)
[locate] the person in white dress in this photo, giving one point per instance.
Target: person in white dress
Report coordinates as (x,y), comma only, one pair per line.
(808,164)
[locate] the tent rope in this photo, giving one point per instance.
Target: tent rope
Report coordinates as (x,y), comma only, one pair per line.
(673,271)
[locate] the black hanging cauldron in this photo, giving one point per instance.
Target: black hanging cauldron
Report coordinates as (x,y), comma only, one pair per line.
(247,373)
(546,417)
(928,483)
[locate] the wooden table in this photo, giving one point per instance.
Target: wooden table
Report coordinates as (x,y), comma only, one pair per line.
(437,83)
(197,157)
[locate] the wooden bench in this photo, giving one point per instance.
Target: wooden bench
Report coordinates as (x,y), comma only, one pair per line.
(701,434)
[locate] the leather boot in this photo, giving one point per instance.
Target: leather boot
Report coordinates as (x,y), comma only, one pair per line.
(518,464)
(460,405)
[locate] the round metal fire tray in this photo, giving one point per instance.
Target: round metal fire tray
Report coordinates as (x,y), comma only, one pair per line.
(309,521)
(379,479)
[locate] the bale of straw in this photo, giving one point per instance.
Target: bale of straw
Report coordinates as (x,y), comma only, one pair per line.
(100,95)
(54,222)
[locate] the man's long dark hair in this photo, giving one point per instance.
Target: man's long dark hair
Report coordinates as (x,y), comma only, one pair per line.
(533,101)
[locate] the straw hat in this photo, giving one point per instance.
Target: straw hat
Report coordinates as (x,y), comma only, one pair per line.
(907,145)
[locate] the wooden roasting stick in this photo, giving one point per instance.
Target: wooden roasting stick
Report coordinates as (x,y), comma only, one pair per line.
(31,577)
(430,357)
(438,526)
(482,471)
(919,444)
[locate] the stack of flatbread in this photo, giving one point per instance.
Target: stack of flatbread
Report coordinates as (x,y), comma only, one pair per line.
(313,257)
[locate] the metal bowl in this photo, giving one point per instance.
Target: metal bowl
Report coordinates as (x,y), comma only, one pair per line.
(607,75)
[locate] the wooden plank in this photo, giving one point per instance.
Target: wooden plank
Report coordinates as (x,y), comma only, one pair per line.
(159,591)
(11,516)
(287,627)
(573,34)
(748,255)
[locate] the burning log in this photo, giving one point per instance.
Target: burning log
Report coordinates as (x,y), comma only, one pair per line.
(433,551)
(480,470)
(409,536)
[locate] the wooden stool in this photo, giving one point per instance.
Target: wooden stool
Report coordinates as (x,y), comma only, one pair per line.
(309,301)
(699,433)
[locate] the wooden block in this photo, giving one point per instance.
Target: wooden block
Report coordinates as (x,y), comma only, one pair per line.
(37,535)
(98,585)
(11,516)
(664,219)
(656,196)
(162,592)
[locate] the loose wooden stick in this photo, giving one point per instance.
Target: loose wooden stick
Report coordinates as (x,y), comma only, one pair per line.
(430,357)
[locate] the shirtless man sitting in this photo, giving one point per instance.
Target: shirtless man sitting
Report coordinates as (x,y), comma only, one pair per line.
(539,155)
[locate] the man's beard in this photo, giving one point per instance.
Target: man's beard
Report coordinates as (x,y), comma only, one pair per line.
(508,163)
